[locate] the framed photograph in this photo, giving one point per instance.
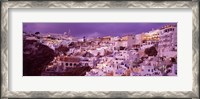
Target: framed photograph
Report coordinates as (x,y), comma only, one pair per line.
(104,49)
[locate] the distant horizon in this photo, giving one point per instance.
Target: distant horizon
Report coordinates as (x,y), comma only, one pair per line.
(93,29)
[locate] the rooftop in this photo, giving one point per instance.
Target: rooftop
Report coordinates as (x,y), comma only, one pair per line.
(69,59)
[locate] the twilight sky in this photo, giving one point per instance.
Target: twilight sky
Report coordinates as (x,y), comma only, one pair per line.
(93,29)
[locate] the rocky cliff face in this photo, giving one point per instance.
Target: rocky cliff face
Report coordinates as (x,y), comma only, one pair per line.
(77,71)
(35,57)
(70,71)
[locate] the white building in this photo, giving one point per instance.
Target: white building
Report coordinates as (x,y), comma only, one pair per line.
(97,51)
(150,38)
(168,39)
(125,41)
(137,41)
(87,62)
(68,61)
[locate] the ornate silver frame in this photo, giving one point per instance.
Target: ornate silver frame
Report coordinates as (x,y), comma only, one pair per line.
(98,4)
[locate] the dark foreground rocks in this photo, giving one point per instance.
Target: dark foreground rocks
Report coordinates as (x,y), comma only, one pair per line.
(70,71)
(35,57)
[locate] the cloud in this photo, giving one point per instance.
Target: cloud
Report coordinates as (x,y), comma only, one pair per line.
(93,35)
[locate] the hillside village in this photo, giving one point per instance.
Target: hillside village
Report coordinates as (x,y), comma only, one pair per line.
(152,53)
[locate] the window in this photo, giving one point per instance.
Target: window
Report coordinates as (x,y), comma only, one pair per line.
(70,64)
(86,64)
(66,64)
(74,64)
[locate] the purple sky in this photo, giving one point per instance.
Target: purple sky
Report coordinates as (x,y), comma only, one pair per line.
(93,29)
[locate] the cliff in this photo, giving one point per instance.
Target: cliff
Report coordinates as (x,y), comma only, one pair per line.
(35,57)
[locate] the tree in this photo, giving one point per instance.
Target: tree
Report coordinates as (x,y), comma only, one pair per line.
(37,32)
(151,51)
(62,49)
(173,60)
(72,44)
(106,52)
(98,54)
(121,48)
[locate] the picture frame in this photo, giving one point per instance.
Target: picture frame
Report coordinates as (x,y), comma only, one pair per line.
(6,5)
